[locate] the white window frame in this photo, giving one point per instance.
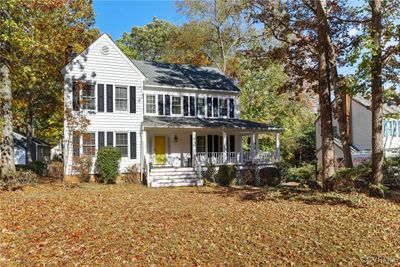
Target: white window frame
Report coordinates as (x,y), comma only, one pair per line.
(219,107)
(155,104)
(204,107)
(84,98)
(127,143)
(172,104)
(91,145)
(127,98)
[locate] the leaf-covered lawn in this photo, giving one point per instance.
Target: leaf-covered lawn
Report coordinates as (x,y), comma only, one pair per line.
(127,225)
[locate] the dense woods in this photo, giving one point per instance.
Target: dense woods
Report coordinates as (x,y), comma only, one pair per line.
(284,55)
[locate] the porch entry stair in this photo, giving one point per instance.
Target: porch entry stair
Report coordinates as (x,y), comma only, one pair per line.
(173,176)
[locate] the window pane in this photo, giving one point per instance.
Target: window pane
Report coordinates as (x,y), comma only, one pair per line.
(121,141)
(176,105)
(200,106)
(201,144)
(150,104)
(88,97)
(89,144)
(223,107)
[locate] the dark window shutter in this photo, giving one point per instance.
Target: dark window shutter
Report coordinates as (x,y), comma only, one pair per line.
(132,100)
(167,105)
(231,143)
(75,143)
(75,96)
(185,105)
(209,143)
(100,140)
(192,109)
(160,104)
(215,107)
(100,97)
(133,144)
(109,98)
(209,107)
(110,136)
(231,108)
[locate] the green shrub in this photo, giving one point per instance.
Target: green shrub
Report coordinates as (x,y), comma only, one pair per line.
(377,190)
(18,179)
(38,167)
(226,174)
(270,176)
(391,172)
(108,163)
(283,169)
(305,172)
(343,180)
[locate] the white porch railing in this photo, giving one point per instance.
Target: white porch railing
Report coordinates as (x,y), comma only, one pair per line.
(220,158)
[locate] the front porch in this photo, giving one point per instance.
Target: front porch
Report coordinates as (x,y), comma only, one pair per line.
(185,147)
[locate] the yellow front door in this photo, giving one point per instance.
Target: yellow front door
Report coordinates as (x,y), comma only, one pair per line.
(159,150)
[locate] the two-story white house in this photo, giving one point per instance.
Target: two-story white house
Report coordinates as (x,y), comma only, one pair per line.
(360,130)
(168,119)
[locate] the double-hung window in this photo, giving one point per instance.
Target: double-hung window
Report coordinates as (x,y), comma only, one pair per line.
(88,98)
(200,143)
(151,104)
(121,141)
(200,107)
(223,107)
(89,144)
(121,98)
(176,105)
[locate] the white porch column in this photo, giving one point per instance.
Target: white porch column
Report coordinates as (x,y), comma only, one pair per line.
(193,148)
(252,146)
(224,147)
(277,147)
(144,154)
(240,140)
(257,147)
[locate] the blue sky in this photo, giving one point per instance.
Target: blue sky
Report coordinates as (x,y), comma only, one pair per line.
(118,16)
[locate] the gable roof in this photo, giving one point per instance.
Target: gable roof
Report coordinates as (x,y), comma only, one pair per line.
(184,76)
(387,109)
(112,43)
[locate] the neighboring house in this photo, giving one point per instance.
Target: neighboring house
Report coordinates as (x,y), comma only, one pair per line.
(40,149)
(360,130)
(167,119)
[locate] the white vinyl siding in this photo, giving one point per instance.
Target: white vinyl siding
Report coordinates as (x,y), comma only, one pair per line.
(121,141)
(151,104)
(176,105)
(121,98)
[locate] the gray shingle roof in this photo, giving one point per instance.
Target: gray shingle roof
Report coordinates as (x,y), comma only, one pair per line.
(177,75)
(387,109)
(185,122)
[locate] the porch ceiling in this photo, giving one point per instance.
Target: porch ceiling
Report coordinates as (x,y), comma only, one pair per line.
(190,123)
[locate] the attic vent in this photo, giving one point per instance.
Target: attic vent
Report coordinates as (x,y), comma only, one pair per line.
(105,50)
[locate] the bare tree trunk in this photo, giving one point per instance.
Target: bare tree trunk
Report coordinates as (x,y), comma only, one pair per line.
(328,155)
(7,144)
(377,93)
(29,133)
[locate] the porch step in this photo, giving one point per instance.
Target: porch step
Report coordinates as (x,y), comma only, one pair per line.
(171,176)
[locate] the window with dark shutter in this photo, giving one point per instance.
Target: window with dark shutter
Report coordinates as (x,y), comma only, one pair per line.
(76,144)
(209,107)
(167,105)
(133,145)
(75,96)
(185,105)
(160,104)
(100,97)
(109,98)
(215,107)
(110,139)
(132,99)
(231,108)
(100,140)
(192,106)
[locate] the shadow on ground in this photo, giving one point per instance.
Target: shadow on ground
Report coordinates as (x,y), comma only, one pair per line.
(305,195)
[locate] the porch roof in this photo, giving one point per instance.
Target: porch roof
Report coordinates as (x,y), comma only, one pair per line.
(185,122)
